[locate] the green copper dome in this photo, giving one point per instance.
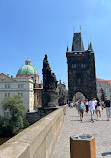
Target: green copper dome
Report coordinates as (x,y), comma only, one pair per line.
(27,69)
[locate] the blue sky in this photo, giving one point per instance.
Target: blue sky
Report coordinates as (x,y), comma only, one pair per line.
(33,28)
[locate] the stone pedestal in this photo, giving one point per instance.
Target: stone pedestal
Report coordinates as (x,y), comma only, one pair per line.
(50,98)
(82,146)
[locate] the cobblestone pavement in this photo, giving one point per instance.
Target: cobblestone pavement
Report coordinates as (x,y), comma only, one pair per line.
(72,126)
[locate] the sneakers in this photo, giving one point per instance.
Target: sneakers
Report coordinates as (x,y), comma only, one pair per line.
(107,119)
(92,120)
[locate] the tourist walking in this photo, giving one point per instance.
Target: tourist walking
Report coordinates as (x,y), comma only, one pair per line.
(87,105)
(107,107)
(95,100)
(81,109)
(92,108)
(71,104)
(76,104)
(98,109)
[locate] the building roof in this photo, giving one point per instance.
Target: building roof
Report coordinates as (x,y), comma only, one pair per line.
(27,69)
(77,44)
(102,80)
(98,79)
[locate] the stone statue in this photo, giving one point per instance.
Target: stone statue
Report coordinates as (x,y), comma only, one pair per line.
(49,79)
(49,85)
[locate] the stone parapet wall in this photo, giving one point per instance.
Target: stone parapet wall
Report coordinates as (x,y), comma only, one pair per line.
(37,141)
(33,117)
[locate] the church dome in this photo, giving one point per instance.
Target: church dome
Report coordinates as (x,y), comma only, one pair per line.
(27,69)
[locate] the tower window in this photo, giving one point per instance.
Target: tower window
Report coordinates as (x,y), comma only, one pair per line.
(73,66)
(83,65)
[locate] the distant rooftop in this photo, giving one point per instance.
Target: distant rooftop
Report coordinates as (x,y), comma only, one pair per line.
(102,80)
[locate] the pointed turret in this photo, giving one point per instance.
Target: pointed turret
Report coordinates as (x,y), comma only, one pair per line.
(90,47)
(72,47)
(67,47)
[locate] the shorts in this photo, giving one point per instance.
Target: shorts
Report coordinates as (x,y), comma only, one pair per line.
(98,108)
(92,111)
(81,110)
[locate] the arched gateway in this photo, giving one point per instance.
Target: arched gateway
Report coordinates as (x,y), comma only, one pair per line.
(81,69)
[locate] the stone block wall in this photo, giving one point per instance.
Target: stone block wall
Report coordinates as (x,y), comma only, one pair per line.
(33,117)
(37,141)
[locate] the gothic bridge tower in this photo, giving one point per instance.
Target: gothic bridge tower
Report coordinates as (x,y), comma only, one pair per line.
(81,69)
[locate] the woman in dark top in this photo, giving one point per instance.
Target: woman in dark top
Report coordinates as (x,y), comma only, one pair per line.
(98,109)
(87,105)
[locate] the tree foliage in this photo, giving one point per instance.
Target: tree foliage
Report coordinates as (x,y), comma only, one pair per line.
(16,122)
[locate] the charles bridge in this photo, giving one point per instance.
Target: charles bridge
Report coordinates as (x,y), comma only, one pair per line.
(49,137)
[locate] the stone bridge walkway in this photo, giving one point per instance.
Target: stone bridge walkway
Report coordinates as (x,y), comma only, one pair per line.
(72,126)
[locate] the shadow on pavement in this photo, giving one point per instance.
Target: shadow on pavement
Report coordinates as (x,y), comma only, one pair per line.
(88,121)
(75,116)
(102,120)
(107,153)
(74,120)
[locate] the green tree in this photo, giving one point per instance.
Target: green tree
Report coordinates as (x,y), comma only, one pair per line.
(16,122)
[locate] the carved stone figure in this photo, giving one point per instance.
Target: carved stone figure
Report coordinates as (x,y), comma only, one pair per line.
(49,85)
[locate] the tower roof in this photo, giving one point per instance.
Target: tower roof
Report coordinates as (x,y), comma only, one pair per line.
(77,44)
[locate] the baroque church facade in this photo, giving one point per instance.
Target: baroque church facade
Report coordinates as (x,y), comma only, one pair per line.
(26,84)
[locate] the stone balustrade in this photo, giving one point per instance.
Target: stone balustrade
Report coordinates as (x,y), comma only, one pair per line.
(37,141)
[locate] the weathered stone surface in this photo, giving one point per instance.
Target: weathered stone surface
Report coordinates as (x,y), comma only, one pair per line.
(81,70)
(37,141)
(33,117)
(15,149)
(50,98)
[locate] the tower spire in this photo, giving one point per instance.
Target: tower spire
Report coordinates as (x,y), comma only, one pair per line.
(90,46)
(72,47)
(67,47)
(80,28)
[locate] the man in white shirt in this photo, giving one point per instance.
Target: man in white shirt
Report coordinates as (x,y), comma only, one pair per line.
(92,108)
(71,104)
(95,101)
